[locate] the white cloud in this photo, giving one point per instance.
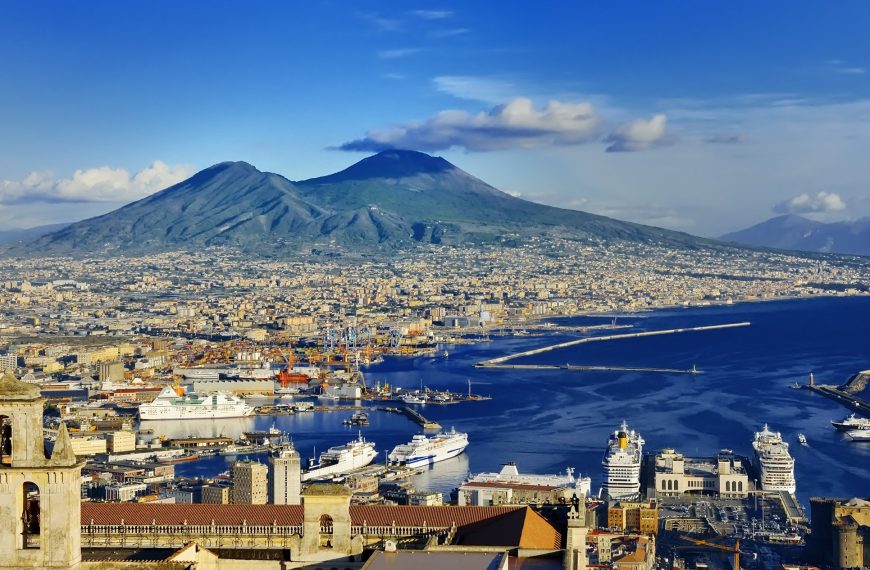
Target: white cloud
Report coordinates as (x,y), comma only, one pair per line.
(640,134)
(432,14)
(472,88)
(516,124)
(397,53)
(821,203)
(101,184)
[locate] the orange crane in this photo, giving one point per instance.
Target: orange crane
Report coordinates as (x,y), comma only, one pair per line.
(735,550)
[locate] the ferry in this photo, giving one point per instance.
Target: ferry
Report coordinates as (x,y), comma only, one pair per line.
(423,450)
(775,463)
(174,405)
(621,464)
(341,459)
(852,423)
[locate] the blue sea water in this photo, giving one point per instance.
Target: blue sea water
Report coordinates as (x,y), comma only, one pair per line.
(549,420)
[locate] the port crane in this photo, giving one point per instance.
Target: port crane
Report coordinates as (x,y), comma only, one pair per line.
(735,550)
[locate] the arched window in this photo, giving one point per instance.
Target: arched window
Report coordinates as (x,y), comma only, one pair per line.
(5,440)
(30,516)
(676,485)
(728,486)
(326,527)
(740,486)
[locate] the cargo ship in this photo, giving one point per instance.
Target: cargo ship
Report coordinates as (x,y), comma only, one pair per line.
(341,459)
(173,404)
(621,464)
(422,450)
(774,462)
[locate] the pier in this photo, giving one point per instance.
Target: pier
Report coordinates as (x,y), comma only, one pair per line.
(850,401)
(418,418)
(501,360)
(577,368)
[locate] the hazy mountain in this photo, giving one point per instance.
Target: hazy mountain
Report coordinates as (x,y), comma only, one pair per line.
(796,232)
(9,236)
(389,199)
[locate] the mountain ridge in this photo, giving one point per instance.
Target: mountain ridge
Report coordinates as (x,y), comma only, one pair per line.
(793,232)
(388,200)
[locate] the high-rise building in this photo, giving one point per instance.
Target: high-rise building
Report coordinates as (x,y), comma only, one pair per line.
(250,483)
(285,477)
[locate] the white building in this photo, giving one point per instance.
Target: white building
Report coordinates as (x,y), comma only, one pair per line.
(285,477)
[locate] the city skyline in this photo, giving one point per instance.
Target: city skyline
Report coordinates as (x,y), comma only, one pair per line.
(684,117)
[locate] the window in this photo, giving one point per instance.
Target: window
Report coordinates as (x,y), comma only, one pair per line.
(5,440)
(325,531)
(30,517)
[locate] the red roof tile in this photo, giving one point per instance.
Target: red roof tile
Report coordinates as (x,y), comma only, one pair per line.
(284,515)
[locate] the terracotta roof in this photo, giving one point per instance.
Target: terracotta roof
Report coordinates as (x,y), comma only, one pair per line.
(284,515)
(523,528)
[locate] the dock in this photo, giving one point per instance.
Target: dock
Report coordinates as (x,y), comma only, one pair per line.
(576,368)
(849,400)
(418,418)
(494,362)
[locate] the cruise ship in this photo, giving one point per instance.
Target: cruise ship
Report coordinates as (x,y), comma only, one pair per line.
(621,464)
(422,450)
(852,423)
(341,459)
(172,405)
(774,461)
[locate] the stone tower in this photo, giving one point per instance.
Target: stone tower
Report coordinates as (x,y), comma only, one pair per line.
(39,496)
(575,537)
(326,526)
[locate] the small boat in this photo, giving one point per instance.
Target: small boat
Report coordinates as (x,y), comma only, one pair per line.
(413,399)
(358,419)
(802,438)
(178,458)
(796,386)
(445,354)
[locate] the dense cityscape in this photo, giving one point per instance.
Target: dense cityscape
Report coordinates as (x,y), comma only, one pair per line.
(117,347)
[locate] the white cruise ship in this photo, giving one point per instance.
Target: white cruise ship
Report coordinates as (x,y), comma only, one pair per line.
(774,462)
(341,459)
(170,405)
(621,464)
(422,450)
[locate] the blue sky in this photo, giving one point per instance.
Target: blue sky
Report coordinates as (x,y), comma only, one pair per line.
(697,116)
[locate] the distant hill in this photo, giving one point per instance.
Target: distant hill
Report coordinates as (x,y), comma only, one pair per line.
(799,233)
(387,200)
(10,236)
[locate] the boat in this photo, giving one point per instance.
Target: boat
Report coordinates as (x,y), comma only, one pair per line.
(859,434)
(423,450)
(172,404)
(802,439)
(774,461)
(852,423)
(178,458)
(341,459)
(796,386)
(413,398)
(445,354)
(621,463)
(358,419)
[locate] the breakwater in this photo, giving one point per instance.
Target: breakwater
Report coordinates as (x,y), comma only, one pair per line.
(501,360)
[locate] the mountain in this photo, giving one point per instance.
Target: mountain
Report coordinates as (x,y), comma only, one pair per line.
(9,236)
(799,233)
(391,199)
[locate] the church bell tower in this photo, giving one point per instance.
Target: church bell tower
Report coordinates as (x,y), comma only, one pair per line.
(40,496)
